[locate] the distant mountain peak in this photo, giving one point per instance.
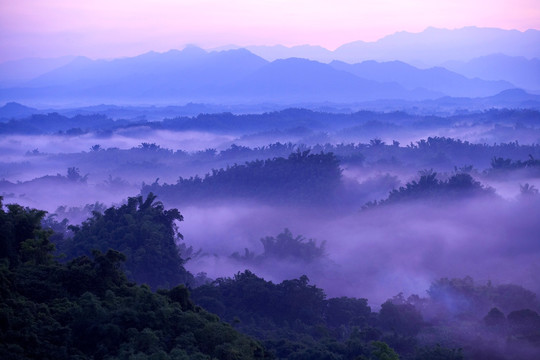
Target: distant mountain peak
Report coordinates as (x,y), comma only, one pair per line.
(81,60)
(13,105)
(193,50)
(434,46)
(15,110)
(513,94)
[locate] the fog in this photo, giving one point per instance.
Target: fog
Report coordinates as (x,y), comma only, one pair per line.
(123,139)
(380,200)
(366,205)
(375,252)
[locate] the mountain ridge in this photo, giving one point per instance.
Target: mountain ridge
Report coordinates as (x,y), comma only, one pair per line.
(419,48)
(237,75)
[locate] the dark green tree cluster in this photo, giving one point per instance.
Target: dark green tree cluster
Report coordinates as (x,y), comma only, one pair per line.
(428,187)
(302,177)
(288,301)
(401,317)
(295,320)
(87,309)
(285,246)
(142,230)
(501,165)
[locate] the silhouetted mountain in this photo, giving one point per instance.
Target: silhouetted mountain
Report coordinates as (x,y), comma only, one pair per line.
(515,95)
(79,69)
(436,79)
(17,72)
(275,52)
(195,75)
(518,70)
(512,98)
(435,46)
(448,105)
(190,71)
(239,76)
(297,79)
(430,47)
(13,110)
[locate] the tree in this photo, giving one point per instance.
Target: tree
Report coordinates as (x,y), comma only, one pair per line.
(73,174)
(301,177)
(401,318)
(20,228)
(526,323)
(144,231)
(528,191)
(86,308)
(495,318)
(381,351)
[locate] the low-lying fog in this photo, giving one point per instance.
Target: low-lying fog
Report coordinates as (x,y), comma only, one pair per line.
(380,252)
(374,253)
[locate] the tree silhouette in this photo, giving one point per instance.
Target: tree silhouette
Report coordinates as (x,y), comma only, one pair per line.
(144,231)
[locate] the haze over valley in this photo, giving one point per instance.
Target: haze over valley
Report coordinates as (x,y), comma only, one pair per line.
(374,199)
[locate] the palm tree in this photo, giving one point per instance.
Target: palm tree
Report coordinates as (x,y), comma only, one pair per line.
(528,190)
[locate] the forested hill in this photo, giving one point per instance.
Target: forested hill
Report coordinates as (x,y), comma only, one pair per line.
(86,308)
(302,177)
(101,122)
(141,229)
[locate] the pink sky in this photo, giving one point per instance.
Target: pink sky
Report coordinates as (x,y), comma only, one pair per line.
(112,28)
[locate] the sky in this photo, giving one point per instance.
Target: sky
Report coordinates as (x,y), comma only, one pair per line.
(114,28)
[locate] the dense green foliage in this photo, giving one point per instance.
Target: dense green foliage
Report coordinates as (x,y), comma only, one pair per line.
(142,230)
(86,308)
(301,177)
(290,317)
(295,320)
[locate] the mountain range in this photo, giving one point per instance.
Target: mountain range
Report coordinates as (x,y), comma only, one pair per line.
(520,71)
(17,72)
(431,47)
(435,79)
(241,76)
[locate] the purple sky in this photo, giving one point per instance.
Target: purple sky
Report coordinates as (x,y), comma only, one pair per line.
(112,28)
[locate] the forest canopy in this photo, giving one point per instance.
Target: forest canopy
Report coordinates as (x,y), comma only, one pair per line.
(302,177)
(87,309)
